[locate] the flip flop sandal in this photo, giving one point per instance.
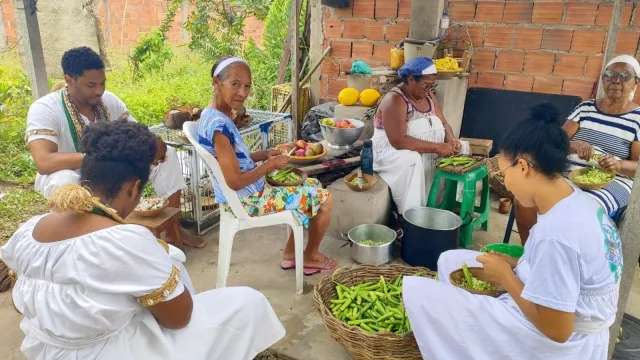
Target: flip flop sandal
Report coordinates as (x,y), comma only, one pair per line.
(327,267)
(288,264)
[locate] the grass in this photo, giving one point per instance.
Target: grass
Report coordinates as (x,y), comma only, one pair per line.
(184,80)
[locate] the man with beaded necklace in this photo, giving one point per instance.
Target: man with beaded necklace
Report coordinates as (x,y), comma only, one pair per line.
(55,123)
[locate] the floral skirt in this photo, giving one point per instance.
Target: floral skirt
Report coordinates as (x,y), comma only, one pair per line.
(304,200)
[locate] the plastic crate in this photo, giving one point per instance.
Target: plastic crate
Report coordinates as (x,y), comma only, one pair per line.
(198,204)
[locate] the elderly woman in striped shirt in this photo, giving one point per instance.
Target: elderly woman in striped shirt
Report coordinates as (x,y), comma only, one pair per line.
(311,205)
(608,128)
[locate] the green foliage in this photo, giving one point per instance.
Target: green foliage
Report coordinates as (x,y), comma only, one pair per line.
(266,61)
(18,205)
(15,98)
(152,51)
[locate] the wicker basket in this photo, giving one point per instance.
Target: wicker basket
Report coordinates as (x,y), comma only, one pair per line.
(302,174)
(457,276)
(360,344)
(496,182)
(369,182)
(582,186)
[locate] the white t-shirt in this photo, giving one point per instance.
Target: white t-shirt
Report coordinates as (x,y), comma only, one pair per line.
(46,119)
(574,259)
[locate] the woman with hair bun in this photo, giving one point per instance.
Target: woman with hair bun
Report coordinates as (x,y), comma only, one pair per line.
(562,294)
(92,287)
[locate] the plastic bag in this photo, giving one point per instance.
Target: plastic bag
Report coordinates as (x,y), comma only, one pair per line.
(361,67)
(338,4)
(310,130)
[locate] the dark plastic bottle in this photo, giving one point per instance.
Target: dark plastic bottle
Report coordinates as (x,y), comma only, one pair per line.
(366,158)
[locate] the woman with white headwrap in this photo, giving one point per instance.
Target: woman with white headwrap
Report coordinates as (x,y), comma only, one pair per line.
(410,134)
(609,128)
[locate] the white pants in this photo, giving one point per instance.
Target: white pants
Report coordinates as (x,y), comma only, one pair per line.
(166,178)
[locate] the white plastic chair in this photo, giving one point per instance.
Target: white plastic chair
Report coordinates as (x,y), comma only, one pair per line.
(230,224)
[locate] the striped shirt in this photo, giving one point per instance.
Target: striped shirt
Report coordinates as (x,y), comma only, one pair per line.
(212,121)
(609,134)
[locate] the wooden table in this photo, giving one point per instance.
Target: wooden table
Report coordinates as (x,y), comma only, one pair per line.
(316,167)
(168,219)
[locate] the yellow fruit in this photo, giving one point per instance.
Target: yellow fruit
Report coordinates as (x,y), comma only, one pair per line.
(348,96)
(369,97)
(446,63)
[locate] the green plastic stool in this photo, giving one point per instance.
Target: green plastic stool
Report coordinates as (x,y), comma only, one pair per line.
(467,208)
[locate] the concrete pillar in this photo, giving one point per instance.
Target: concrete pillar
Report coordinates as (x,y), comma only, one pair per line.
(425,19)
(32,49)
(612,36)
(3,36)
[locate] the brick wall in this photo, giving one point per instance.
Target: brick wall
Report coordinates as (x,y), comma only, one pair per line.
(130,19)
(551,47)
(367,31)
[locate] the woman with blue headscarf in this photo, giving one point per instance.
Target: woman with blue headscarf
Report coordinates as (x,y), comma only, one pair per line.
(410,134)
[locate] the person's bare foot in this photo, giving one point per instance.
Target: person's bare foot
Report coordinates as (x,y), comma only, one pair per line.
(188,239)
(316,260)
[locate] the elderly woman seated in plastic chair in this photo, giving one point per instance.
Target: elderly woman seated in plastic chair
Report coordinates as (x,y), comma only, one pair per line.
(217,133)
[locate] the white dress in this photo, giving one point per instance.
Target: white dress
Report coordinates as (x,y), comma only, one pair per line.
(78,298)
(46,120)
(572,263)
(409,174)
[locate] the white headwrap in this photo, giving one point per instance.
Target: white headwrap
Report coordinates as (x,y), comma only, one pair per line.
(627,59)
(225,63)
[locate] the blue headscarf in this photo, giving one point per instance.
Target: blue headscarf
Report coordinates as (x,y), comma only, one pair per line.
(417,67)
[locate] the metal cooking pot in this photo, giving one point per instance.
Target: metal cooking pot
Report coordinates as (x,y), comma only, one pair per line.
(428,232)
(366,254)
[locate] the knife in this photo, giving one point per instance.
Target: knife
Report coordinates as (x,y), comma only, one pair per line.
(359,181)
(274,172)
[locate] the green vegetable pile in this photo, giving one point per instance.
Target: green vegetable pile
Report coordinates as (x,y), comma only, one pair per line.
(355,181)
(593,176)
(472,283)
(595,158)
(369,242)
(463,161)
(374,306)
(286,176)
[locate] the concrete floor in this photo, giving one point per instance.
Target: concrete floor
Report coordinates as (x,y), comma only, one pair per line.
(255,263)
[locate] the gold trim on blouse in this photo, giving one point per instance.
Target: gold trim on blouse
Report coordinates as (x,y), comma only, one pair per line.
(44,132)
(163,292)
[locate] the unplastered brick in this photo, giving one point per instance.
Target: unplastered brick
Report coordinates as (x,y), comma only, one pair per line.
(498,36)
(462,10)
(484,59)
(374,30)
(569,65)
(588,40)
(382,52)
(516,12)
(510,61)
(547,12)
(490,80)
(547,85)
(489,11)
(539,63)
(579,13)
(353,29)
(575,87)
(627,42)
(362,50)
(519,82)
(386,9)
(363,8)
(397,31)
(605,11)
(594,66)
(556,39)
(527,38)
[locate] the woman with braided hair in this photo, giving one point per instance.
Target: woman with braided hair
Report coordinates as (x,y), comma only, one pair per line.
(92,287)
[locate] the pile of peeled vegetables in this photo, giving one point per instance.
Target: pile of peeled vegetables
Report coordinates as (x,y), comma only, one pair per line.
(593,176)
(286,176)
(464,161)
(374,306)
(471,283)
(355,181)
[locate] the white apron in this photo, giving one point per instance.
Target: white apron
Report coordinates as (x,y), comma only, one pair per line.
(451,323)
(409,174)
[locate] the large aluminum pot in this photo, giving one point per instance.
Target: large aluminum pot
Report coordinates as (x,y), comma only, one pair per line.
(366,254)
(428,232)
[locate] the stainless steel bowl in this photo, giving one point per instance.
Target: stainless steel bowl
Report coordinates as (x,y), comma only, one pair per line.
(342,138)
(366,254)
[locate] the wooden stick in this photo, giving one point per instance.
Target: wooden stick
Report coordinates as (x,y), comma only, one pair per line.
(306,79)
(286,55)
